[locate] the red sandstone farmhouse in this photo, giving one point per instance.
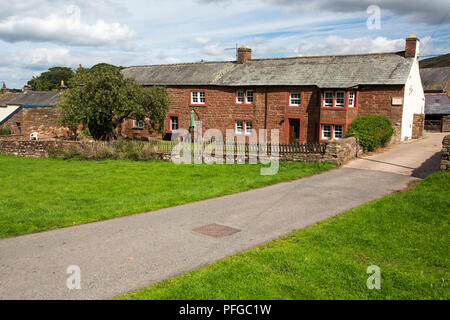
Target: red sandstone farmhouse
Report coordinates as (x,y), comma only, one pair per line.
(309,99)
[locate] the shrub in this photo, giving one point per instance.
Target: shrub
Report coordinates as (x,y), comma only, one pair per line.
(373,131)
(5,132)
(97,151)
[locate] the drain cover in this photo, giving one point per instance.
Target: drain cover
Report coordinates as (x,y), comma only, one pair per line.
(216,230)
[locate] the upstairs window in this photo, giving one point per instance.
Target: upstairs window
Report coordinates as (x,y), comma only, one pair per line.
(340,99)
(240,96)
(244,97)
(351,98)
(198,97)
(249,97)
(295,99)
(328,99)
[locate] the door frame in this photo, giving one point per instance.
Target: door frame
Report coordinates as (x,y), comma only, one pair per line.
(287,127)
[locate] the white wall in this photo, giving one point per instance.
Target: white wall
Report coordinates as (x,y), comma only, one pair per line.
(5,112)
(414,99)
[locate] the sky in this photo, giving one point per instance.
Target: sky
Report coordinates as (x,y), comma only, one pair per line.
(39,34)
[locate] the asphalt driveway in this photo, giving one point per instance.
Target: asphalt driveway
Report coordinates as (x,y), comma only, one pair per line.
(120,255)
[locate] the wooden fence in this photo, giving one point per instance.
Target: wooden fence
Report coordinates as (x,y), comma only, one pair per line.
(282,149)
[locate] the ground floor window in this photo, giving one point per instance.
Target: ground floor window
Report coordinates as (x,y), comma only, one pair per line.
(173,123)
(332,131)
(243,126)
(326,131)
(338,131)
(138,124)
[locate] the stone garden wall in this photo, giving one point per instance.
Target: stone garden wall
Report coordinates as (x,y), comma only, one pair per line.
(445,158)
(339,151)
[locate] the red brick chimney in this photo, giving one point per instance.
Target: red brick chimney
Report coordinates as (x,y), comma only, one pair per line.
(4,88)
(412,46)
(244,53)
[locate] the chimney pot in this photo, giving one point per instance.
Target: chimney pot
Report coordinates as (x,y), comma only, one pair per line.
(412,46)
(62,86)
(244,53)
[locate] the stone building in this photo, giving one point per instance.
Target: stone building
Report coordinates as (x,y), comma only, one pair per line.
(32,111)
(308,99)
(436,85)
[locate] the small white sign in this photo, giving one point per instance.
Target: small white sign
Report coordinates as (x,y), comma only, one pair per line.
(397,101)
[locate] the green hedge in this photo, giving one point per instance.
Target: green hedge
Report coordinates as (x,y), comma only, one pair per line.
(5,132)
(373,131)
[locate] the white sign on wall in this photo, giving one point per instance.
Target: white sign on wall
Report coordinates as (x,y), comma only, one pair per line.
(397,101)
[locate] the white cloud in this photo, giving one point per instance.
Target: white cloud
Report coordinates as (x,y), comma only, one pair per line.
(337,45)
(213,49)
(64,25)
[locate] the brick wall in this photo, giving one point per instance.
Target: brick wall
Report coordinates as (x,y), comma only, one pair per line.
(378,100)
(221,111)
(445,160)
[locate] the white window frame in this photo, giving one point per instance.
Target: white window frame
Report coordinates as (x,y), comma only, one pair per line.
(334,131)
(351,98)
(336,104)
(325,104)
(139,124)
(236,126)
(247,131)
(172,122)
(323,130)
(246,97)
(242,93)
(197,94)
(245,128)
(299,99)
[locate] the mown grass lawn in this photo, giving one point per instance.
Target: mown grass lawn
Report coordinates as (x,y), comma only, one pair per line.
(405,234)
(43,194)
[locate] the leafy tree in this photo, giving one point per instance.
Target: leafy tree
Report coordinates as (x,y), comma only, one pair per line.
(51,79)
(101,99)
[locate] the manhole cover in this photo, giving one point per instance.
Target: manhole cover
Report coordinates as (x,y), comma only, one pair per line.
(216,230)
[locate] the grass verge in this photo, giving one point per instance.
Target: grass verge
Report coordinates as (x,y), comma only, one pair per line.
(405,234)
(43,194)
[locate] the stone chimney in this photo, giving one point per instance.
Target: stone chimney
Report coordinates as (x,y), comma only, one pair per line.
(412,46)
(26,88)
(244,53)
(62,87)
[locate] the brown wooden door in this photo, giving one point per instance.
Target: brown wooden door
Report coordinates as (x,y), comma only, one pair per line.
(294,130)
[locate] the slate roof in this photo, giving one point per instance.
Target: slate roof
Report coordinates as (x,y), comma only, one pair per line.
(322,71)
(435,79)
(6,97)
(437,104)
(36,98)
